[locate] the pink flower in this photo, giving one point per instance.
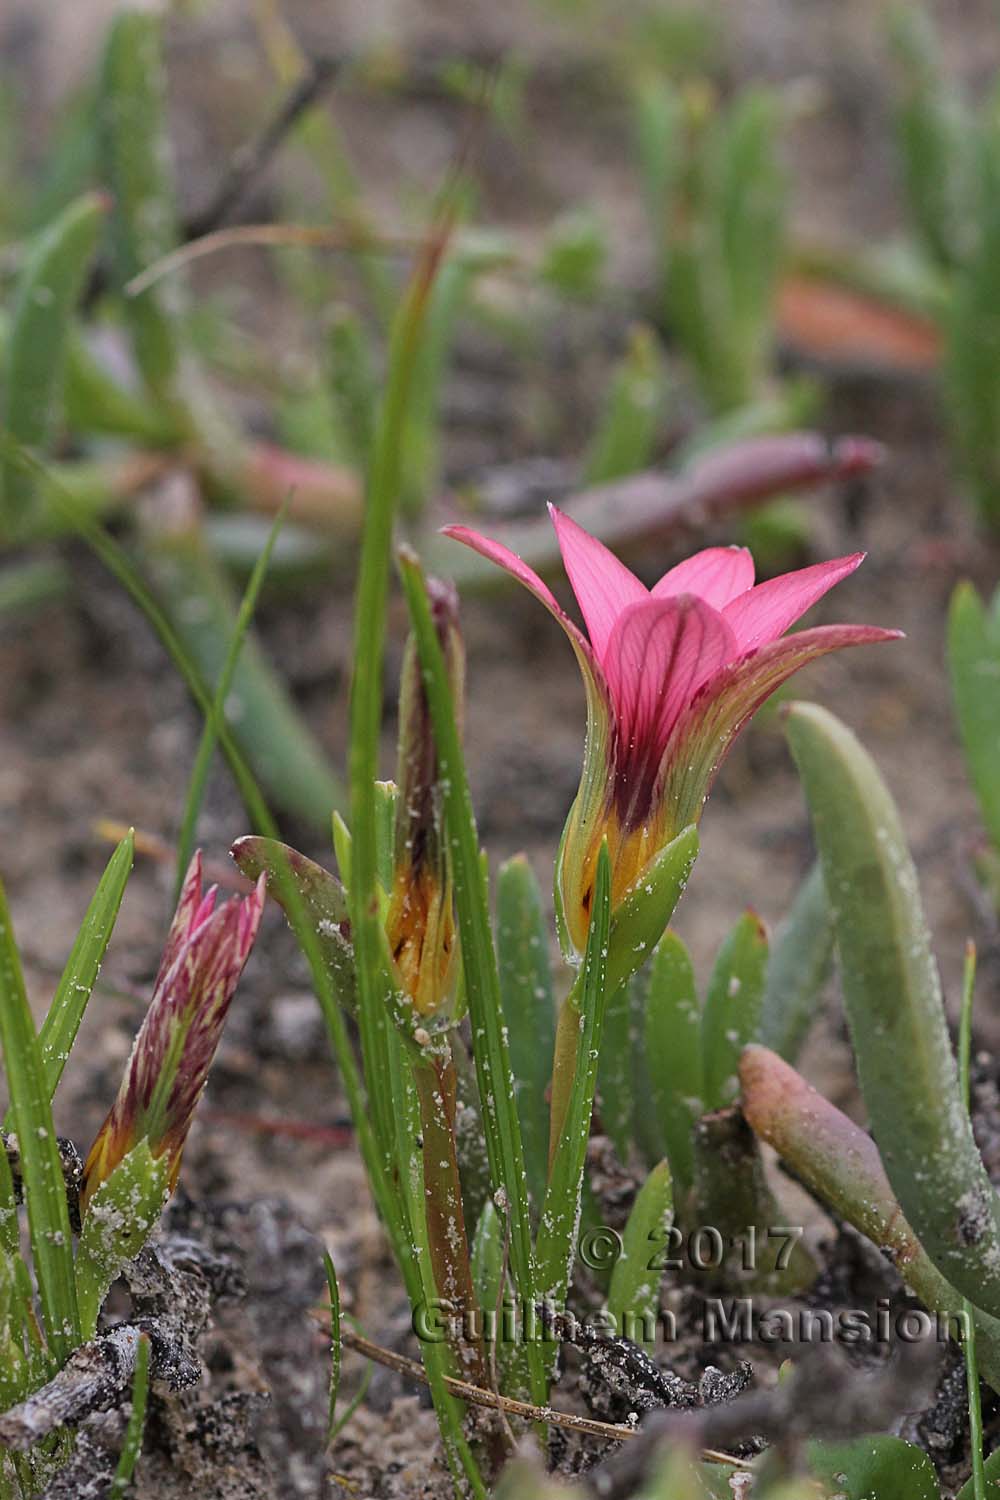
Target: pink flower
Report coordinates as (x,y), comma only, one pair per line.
(204,956)
(672,674)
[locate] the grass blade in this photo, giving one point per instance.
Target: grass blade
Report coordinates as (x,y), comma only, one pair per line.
(336,1347)
(557,1233)
(969,1331)
(118,563)
(132,1446)
(206,745)
(59,1029)
(260,712)
(134,164)
(47,292)
(528,1010)
(44,1189)
(479,965)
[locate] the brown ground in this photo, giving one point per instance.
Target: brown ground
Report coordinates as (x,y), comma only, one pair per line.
(93,722)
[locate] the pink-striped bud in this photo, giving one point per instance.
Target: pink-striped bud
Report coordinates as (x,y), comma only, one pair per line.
(204,956)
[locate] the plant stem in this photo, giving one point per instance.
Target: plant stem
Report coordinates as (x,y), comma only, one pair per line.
(564,1059)
(448,1242)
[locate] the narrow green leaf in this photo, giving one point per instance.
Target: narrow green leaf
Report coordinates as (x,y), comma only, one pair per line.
(973,1394)
(634,1295)
(59,1029)
(385,481)
(260,713)
(673,1052)
(974,665)
(627,431)
(615,1074)
(560,1214)
(479,965)
(321,900)
(892,994)
(120,566)
(488,1257)
(528,1009)
(641,917)
(798,968)
(47,292)
(934,138)
(95,402)
(732,1008)
(134,162)
(991,1475)
(209,734)
(41,1169)
(132,1446)
(336,1347)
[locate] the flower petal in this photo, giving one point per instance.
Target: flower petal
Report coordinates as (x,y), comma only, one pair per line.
(766,612)
(705,731)
(603,586)
(496,552)
(716,574)
(659,655)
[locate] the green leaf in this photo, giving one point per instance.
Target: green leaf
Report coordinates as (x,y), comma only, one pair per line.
(385,483)
(41,1168)
(627,431)
(320,899)
(121,1216)
(673,1052)
(634,1295)
(336,1346)
(934,136)
(797,969)
(974,664)
(59,1029)
(641,917)
(875,1468)
(528,1010)
(992,1473)
(47,292)
(479,965)
(588,999)
(615,1074)
(260,714)
(487,1257)
(134,163)
(892,995)
(732,1008)
(132,1446)
(210,731)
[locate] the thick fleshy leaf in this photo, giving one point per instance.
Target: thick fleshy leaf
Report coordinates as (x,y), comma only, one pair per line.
(603,586)
(659,655)
(767,611)
(893,1001)
(716,574)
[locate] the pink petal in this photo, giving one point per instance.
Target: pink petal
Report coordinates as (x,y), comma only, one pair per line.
(593,676)
(717,575)
(766,612)
(496,552)
(603,586)
(706,730)
(659,655)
